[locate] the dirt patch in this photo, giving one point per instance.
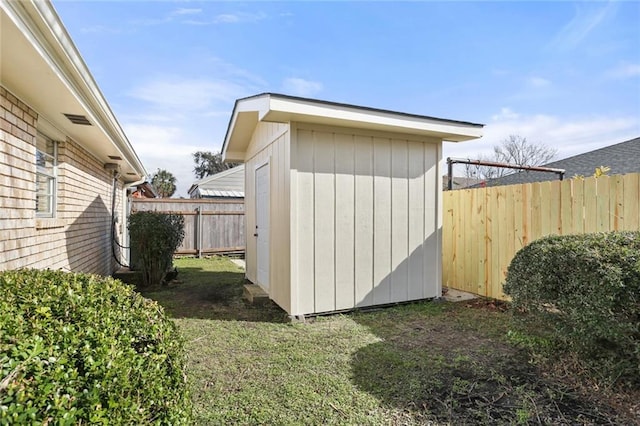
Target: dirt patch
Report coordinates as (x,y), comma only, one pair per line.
(457,368)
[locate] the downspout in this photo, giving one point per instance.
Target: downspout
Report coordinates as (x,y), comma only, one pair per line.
(126,203)
(113,241)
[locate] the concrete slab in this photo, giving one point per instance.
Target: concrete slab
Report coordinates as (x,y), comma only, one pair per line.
(453,295)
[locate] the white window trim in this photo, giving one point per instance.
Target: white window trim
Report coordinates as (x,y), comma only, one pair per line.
(54,182)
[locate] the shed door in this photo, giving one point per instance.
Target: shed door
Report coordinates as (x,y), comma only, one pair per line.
(262,226)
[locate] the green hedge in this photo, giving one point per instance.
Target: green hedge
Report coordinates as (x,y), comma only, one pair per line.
(83,349)
(586,288)
(155,237)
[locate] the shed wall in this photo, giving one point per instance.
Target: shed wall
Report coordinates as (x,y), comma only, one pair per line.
(78,237)
(270,143)
(365,218)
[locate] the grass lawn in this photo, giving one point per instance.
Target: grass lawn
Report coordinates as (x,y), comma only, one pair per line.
(421,363)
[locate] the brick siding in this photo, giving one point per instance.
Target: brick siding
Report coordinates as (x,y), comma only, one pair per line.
(78,237)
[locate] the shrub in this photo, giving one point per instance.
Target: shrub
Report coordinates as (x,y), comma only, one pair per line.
(586,288)
(154,238)
(83,349)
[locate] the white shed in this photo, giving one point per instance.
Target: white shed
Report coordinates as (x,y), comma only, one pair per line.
(343,203)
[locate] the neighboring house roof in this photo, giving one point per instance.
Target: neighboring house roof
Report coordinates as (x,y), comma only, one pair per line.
(145,190)
(228,183)
(459,182)
(273,107)
(621,158)
(41,65)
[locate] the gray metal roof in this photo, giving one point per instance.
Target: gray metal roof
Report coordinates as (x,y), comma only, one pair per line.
(206,193)
(621,158)
(228,183)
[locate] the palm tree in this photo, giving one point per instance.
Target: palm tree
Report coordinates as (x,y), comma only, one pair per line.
(164,182)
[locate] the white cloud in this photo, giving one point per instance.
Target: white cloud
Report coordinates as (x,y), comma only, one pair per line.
(505,114)
(624,71)
(569,135)
(301,87)
(234,72)
(538,82)
(187,95)
(587,18)
(101,29)
(186,11)
(167,148)
(237,18)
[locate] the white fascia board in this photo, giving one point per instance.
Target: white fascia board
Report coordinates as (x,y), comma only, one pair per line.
(286,110)
(40,24)
(248,112)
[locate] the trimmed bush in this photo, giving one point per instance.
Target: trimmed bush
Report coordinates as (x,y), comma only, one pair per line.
(586,288)
(83,349)
(155,237)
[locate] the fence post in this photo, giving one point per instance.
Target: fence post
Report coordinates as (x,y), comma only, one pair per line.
(199,231)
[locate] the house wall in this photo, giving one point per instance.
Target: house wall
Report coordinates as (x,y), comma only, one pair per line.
(270,143)
(78,237)
(365,218)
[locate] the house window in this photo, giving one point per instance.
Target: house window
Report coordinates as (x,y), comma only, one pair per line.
(46,162)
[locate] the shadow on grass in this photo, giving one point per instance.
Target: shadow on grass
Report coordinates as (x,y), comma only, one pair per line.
(448,363)
(214,295)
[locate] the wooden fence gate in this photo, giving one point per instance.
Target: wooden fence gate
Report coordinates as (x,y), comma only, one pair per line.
(210,226)
(483,228)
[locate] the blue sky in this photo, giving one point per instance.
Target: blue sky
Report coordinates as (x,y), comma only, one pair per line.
(565,74)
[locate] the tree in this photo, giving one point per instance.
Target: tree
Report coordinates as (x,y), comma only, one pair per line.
(209,163)
(513,150)
(164,182)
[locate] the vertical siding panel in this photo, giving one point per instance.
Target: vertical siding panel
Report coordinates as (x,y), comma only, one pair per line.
(399,221)
(292,214)
(432,261)
(416,220)
(345,222)
(364,221)
(382,221)
(250,221)
(306,226)
(283,251)
(324,222)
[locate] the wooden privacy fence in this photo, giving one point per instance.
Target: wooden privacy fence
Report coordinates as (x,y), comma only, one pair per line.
(484,228)
(210,226)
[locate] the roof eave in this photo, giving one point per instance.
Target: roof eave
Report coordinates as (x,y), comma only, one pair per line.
(39,23)
(284,109)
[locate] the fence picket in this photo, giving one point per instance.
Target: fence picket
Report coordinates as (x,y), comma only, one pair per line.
(211,226)
(484,227)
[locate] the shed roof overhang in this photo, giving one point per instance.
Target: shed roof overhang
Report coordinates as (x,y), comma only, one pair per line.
(271,107)
(41,65)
